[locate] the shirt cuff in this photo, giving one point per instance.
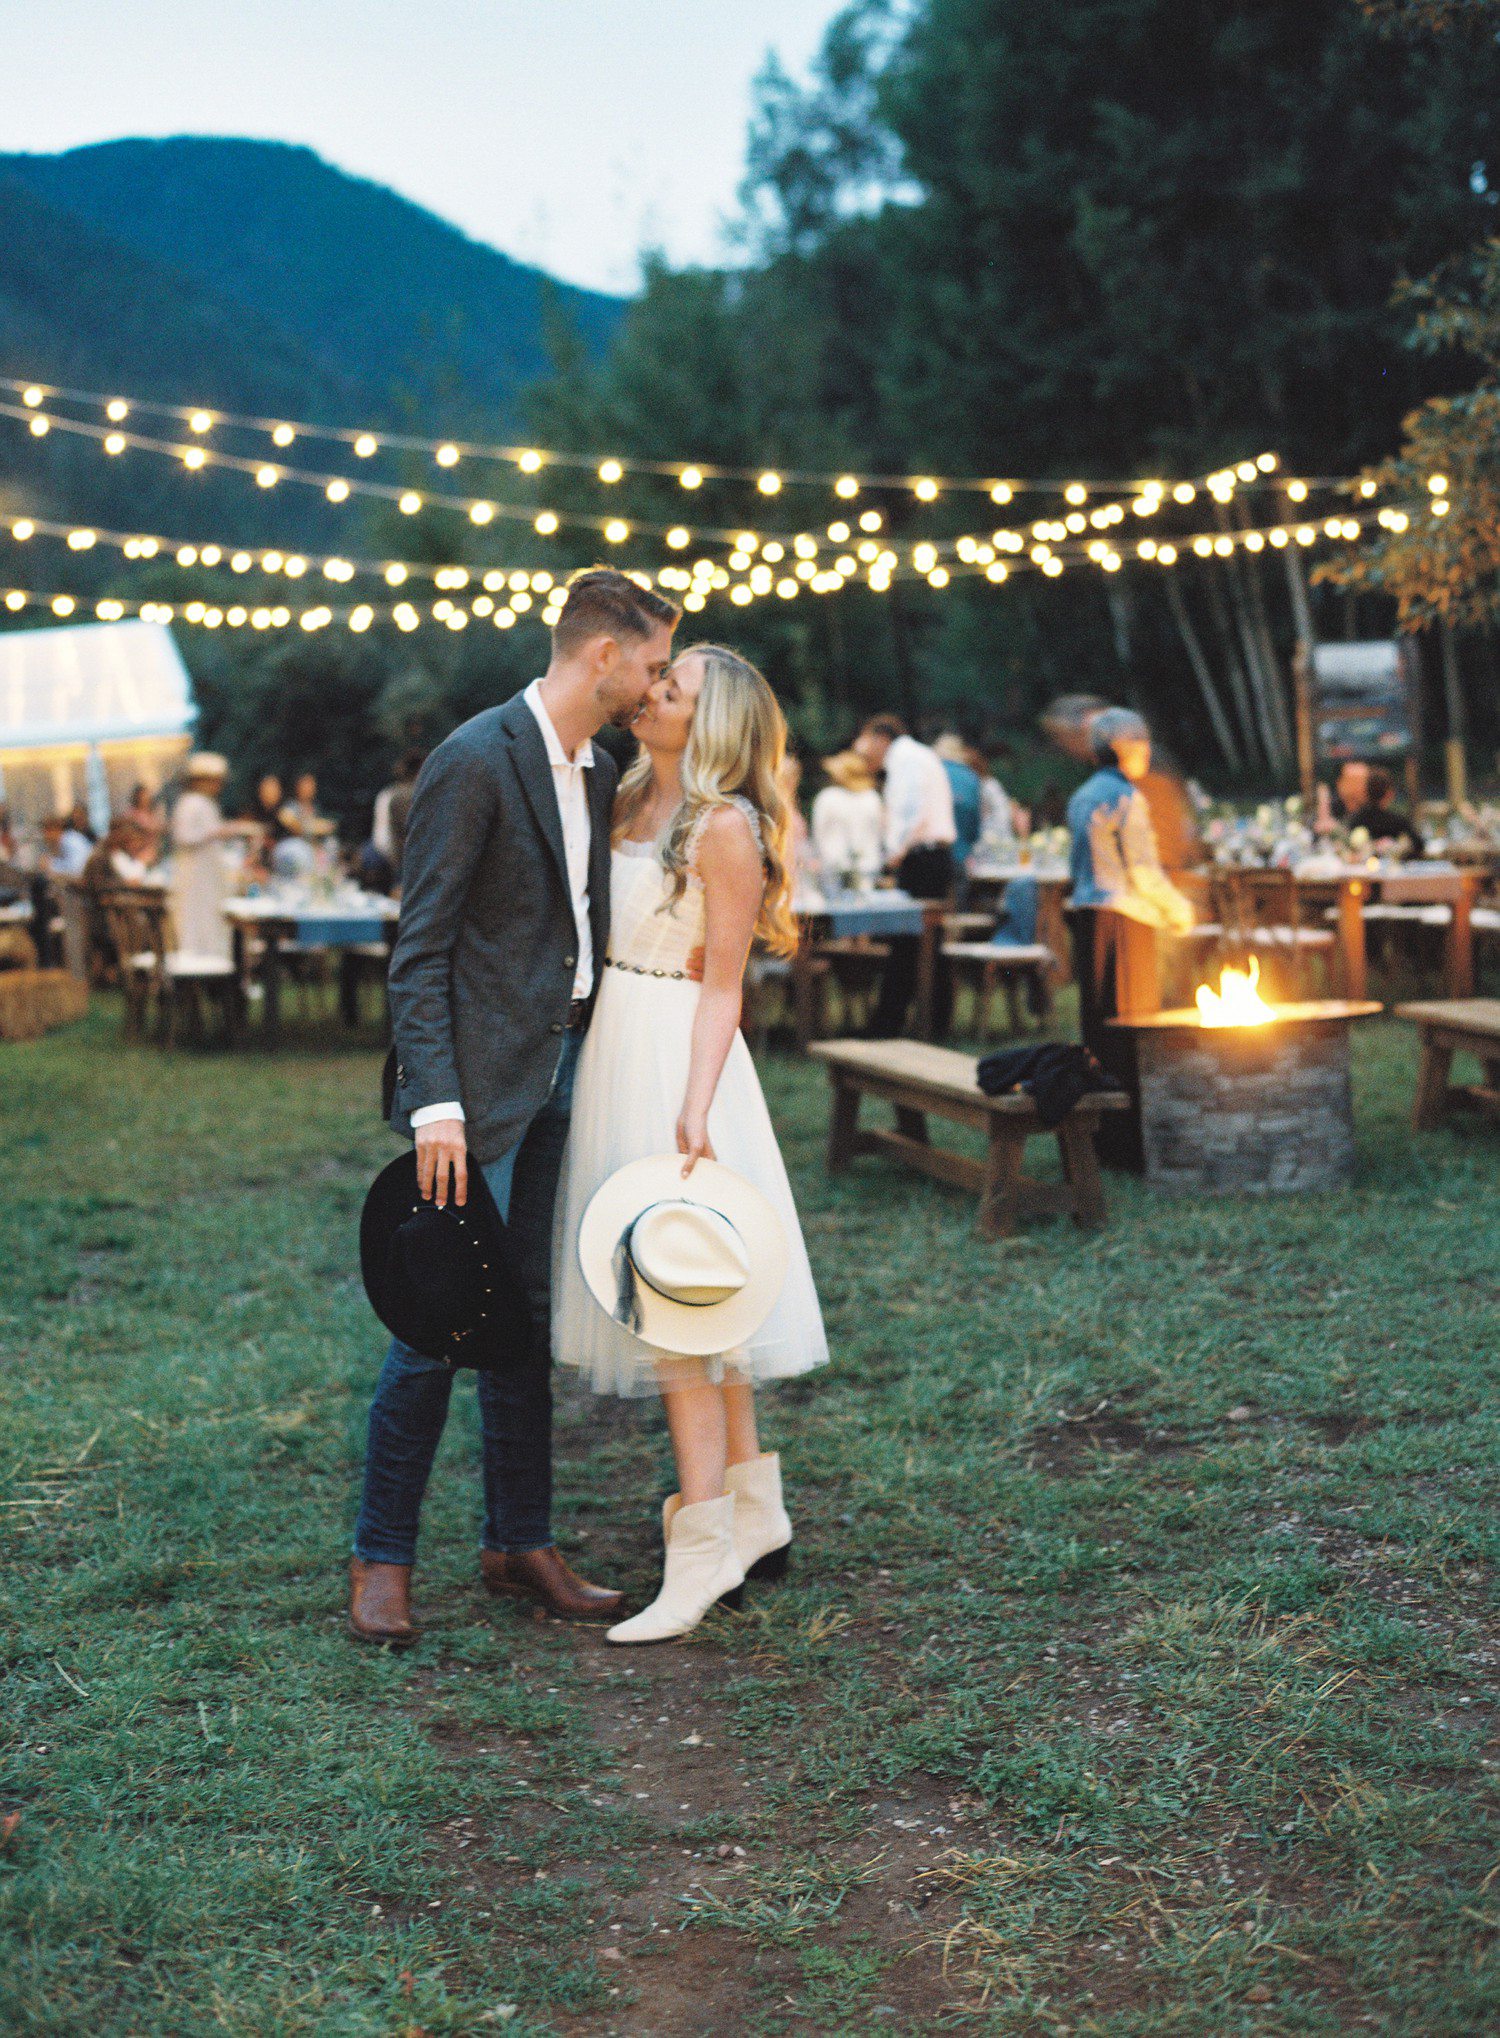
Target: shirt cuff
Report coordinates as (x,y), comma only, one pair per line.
(431,1113)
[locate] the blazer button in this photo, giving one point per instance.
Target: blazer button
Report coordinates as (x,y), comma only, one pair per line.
(570,962)
(556,1026)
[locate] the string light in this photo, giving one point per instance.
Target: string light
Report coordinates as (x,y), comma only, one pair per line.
(609,469)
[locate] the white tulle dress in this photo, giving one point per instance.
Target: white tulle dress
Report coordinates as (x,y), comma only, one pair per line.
(627,1098)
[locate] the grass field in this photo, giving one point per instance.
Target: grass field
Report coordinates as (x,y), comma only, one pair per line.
(1137,1673)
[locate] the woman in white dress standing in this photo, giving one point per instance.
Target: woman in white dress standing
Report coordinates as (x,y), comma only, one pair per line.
(200,872)
(699,862)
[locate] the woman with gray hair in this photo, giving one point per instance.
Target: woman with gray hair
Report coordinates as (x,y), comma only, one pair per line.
(1114,856)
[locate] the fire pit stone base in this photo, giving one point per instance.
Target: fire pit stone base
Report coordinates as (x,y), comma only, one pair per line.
(1237,1110)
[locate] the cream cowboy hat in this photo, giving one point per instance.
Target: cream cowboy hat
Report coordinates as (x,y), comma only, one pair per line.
(692,1266)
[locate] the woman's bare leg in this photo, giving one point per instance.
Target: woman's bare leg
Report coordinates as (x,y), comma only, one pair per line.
(696,1423)
(741,1437)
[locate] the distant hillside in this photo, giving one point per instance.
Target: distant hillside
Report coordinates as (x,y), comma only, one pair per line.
(282,260)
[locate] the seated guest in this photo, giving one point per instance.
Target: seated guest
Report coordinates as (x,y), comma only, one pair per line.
(123,857)
(848,821)
(1114,857)
(1351,790)
(1379,816)
(65,850)
(300,815)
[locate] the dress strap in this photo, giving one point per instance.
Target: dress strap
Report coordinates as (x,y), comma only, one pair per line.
(706,814)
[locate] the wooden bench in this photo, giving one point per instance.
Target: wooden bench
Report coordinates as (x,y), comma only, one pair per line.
(1446,1027)
(923,1081)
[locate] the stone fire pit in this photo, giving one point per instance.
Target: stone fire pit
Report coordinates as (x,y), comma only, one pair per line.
(1258,1109)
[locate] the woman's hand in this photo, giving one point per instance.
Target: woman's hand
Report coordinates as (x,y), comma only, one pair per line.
(692,1139)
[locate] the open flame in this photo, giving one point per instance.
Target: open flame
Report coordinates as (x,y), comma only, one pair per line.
(1236,1002)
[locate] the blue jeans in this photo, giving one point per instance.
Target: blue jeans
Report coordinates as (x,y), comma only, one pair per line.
(515,1404)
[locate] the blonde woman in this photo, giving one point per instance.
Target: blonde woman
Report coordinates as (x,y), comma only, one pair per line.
(699,862)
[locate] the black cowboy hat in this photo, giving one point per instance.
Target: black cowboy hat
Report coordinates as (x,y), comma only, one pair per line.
(443,1280)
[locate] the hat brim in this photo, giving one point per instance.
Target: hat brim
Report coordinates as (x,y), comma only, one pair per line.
(500,1335)
(693,1330)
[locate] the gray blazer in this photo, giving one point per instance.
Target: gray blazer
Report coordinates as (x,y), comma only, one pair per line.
(482,969)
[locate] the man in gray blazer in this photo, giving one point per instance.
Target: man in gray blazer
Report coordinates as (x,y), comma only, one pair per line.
(504,924)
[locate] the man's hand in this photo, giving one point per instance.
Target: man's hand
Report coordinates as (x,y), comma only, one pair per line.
(442,1151)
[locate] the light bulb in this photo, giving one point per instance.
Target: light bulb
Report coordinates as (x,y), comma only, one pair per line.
(546,523)
(691,477)
(409,503)
(1001,492)
(616,531)
(1075,492)
(283,436)
(265,477)
(366,446)
(870,520)
(481,512)
(846,486)
(337,491)
(769,483)
(115,443)
(925,489)
(194,457)
(201,421)
(530,461)
(610,471)
(117,410)
(446,456)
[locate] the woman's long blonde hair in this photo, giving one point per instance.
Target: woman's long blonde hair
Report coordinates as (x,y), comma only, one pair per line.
(735,746)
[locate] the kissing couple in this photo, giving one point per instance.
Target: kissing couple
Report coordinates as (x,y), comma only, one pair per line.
(565,993)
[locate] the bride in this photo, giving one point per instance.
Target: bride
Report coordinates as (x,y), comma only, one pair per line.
(699,862)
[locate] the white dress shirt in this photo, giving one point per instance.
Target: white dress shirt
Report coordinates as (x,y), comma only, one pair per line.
(571,788)
(918,798)
(848,832)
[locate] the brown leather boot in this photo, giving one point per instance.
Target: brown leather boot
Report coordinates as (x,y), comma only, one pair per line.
(544,1575)
(380,1604)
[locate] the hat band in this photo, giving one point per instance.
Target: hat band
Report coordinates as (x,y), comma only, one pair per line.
(628,1270)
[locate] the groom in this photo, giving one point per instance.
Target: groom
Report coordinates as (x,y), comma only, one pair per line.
(504,926)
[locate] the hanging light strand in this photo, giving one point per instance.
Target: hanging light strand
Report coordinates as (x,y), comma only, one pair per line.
(611,469)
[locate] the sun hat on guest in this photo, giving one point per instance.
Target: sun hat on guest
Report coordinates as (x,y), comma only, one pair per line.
(848,769)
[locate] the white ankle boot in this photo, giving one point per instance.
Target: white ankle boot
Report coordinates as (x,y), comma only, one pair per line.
(701,1567)
(762,1526)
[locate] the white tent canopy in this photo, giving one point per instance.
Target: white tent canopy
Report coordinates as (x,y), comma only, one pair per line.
(88,710)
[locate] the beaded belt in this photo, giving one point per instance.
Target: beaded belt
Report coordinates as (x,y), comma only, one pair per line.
(676,976)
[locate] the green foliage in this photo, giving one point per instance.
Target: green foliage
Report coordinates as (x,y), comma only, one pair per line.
(1023,240)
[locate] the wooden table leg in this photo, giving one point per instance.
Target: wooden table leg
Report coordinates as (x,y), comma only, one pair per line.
(1432,1085)
(1459,953)
(1080,1159)
(912,1124)
(927,966)
(270,964)
(1351,925)
(999,1202)
(804,993)
(843,1123)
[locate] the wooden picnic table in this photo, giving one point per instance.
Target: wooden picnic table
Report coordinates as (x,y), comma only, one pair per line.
(988,883)
(883,915)
(1346,894)
(348,925)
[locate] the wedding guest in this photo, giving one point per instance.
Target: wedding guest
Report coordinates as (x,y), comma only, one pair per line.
(123,857)
(998,815)
(848,821)
(1379,816)
(300,815)
(8,840)
(919,838)
(1114,857)
(967,789)
(379,861)
(1351,790)
(78,821)
(65,849)
(200,880)
(145,811)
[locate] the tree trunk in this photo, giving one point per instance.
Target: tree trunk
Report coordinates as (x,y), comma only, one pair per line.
(1453,701)
(1193,645)
(1239,684)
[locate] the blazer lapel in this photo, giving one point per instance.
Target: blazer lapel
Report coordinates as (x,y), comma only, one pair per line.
(535,773)
(601,804)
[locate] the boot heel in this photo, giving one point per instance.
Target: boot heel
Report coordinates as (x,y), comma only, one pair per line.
(772,1565)
(734,1599)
